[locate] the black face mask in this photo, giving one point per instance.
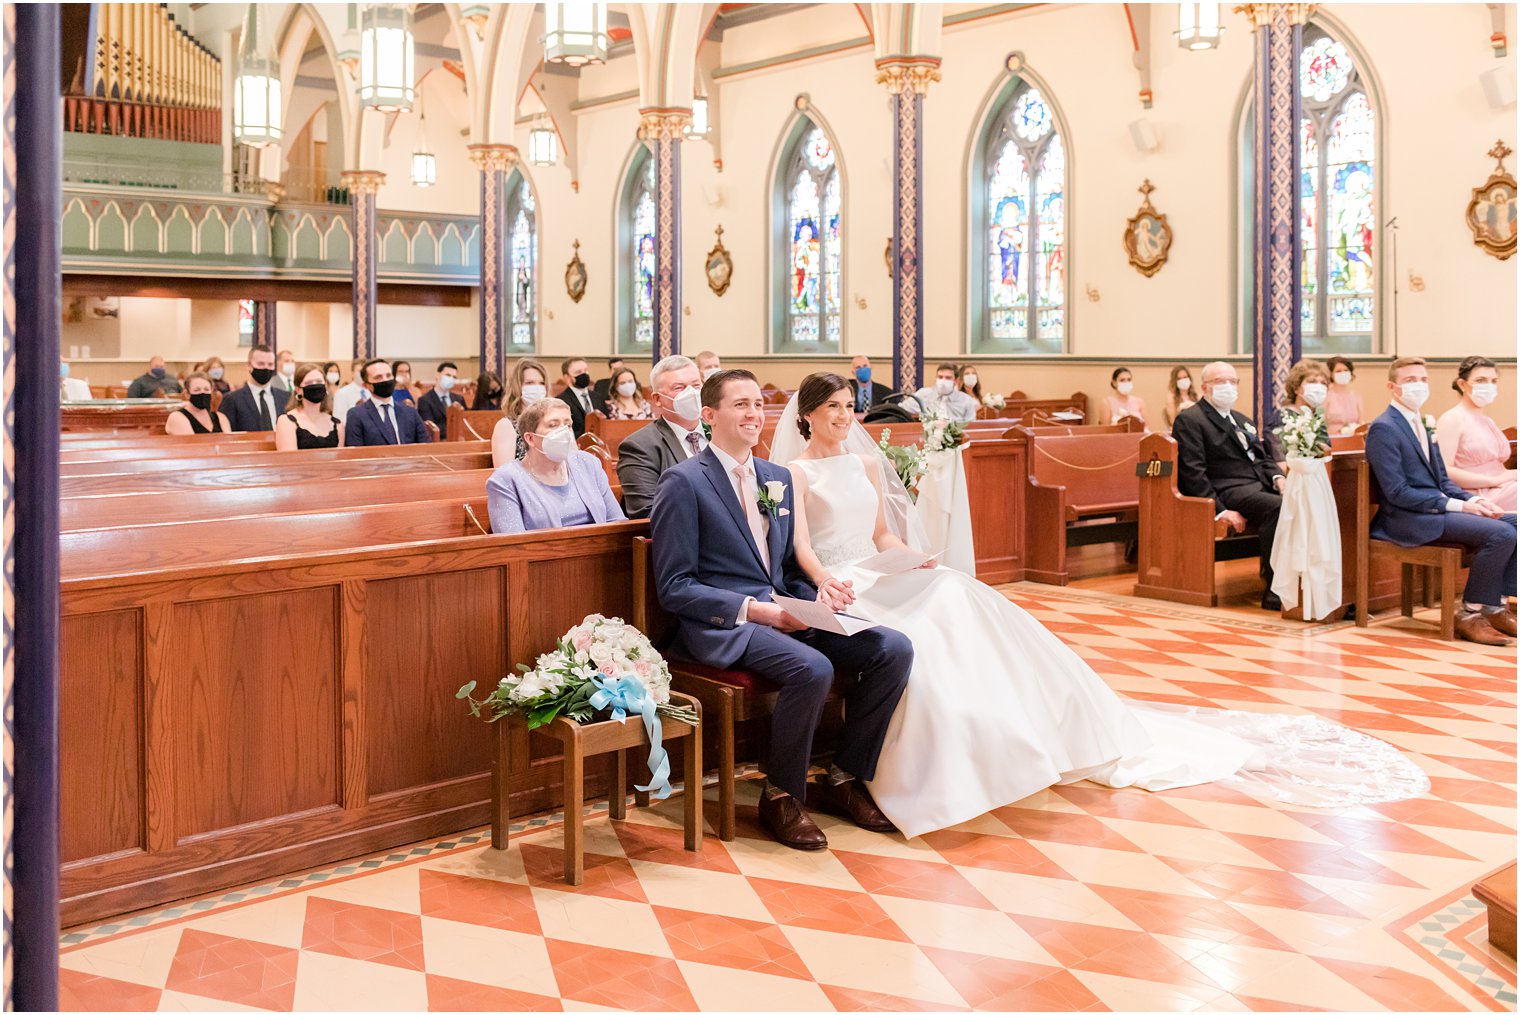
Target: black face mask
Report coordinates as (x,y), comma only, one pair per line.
(314,393)
(260,375)
(494,394)
(583,380)
(383,389)
(201,401)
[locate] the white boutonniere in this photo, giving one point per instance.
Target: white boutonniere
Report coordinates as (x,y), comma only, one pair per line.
(1248,428)
(769,497)
(1430,426)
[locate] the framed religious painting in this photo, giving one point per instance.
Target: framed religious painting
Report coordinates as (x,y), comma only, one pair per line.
(1491,212)
(575,275)
(1147,237)
(719,266)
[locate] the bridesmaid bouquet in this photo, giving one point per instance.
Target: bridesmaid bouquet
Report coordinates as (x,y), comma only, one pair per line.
(1304,434)
(909,461)
(994,401)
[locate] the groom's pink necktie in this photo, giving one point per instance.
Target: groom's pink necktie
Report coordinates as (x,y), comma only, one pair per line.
(747,494)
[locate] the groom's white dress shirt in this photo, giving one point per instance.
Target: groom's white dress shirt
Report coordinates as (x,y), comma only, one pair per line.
(750,508)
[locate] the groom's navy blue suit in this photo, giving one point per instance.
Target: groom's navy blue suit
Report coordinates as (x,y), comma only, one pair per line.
(706,564)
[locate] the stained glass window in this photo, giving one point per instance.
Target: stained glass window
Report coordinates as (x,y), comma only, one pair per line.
(638,271)
(811,245)
(522,265)
(1024,281)
(1338,191)
(245,323)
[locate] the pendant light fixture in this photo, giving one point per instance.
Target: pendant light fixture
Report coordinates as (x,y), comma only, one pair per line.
(386,58)
(424,162)
(1198,26)
(575,33)
(698,128)
(256,91)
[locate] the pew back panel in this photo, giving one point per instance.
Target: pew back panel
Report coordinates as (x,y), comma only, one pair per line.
(1074,480)
(471,424)
(244,476)
(260,459)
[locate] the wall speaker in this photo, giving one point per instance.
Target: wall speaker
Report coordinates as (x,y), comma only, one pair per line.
(1143,133)
(1498,87)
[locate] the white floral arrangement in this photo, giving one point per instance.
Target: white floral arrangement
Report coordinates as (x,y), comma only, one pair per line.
(909,461)
(994,401)
(1304,434)
(1429,423)
(941,433)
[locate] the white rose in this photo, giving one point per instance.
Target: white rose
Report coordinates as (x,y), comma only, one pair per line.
(775,489)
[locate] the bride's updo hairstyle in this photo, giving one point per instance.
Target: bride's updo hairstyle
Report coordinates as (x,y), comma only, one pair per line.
(813,392)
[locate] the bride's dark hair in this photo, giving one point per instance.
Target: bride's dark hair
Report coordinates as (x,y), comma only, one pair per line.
(814,390)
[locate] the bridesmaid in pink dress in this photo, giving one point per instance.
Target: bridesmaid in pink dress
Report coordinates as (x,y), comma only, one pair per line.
(1473,447)
(1122,402)
(1343,406)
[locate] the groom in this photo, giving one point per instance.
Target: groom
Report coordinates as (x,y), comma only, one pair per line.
(722,547)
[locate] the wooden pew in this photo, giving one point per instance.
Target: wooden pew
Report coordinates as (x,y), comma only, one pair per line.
(263,442)
(226,503)
(226,720)
(267,459)
(996,464)
(1018,405)
(144,414)
(400,467)
(88,440)
(471,424)
(1080,489)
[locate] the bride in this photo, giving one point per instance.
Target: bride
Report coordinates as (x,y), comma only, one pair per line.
(997,707)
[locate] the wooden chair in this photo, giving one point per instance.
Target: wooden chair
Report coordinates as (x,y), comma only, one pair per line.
(1446,559)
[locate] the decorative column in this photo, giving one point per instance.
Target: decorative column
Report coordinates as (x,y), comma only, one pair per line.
(264,331)
(32,207)
(363,185)
(663,129)
(495,162)
(1277,292)
(907,79)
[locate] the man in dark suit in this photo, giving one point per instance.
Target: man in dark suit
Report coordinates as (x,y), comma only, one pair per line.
(1220,455)
(156,383)
(865,391)
(675,387)
(433,406)
(379,419)
(258,403)
(577,394)
(1420,504)
(719,559)
(601,394)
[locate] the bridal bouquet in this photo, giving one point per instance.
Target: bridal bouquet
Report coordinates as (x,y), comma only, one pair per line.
(994,401)
(909,461)
(1304,434)
(600,665)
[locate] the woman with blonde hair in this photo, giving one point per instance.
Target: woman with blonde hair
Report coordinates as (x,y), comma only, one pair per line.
(528,384)
(307,421)
(1179,389)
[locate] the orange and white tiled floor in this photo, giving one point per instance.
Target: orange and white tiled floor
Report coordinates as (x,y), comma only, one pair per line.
(1076,898)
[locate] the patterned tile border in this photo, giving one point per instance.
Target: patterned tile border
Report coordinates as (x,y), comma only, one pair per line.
(1452,935)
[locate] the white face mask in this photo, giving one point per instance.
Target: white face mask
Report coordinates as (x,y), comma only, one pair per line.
(709,372)
(1125,387)
(688,404)
(1414,394)
(1224,396)
(944,385)
(1184,383)
(627,388)
(968,380)
(1341,377)
(334,377)
(1314,394)
(533,393)
(446,382)
(1484,394)
(288,370)
(557,444)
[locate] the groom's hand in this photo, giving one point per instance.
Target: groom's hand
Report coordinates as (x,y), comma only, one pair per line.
(772,615)
(836,595)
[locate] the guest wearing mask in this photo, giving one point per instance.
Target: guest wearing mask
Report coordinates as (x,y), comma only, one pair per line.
(285,370)
(333,376)
(1179,389)
(217,370)
(1473,447)
(403,374)
(196,417)
(308,421)
(1123,403)
(73,389)
(1343,407)
(968,383)
(434,405)
(352,393)
(255,405)
(488,392)
(156,383)
(627,402)
(527,385)
(601,394)
(863,389)
(576,376)
(1220,456)
(708,363)
(945,397)
(378,419)
(1305,390)
(554,486)
(675,384)
(1420,504)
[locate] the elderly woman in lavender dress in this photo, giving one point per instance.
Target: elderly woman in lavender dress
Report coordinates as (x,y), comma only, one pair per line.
(554,485)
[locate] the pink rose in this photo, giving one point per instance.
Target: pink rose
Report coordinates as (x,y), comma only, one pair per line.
(609,669)
(641,667)
(582,640)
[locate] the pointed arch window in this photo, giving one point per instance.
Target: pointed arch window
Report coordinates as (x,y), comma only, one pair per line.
(522,265)
(809,255)
(1020,271)
(636,264)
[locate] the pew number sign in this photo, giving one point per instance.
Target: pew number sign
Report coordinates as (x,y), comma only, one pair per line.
(1147,236)
(1153,469)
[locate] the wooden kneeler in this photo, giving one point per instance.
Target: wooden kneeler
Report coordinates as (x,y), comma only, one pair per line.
(581,742)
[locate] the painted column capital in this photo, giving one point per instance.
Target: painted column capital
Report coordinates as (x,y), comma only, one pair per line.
(497,157)
(363,181)
(663,124)
(1260,15)
(908,74)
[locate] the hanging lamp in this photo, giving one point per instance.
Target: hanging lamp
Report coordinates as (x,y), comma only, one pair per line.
(256,91)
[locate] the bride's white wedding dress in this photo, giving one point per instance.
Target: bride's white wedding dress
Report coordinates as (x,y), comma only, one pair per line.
(998,708)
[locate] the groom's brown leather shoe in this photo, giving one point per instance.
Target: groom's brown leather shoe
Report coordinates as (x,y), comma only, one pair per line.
(789,824)
(1475,627)
(1502,621)
(850,800)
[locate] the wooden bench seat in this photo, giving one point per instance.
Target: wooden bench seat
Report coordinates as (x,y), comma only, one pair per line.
(1081,489)
(301,471)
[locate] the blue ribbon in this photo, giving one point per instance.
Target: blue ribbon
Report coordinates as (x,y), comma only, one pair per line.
(624,695)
